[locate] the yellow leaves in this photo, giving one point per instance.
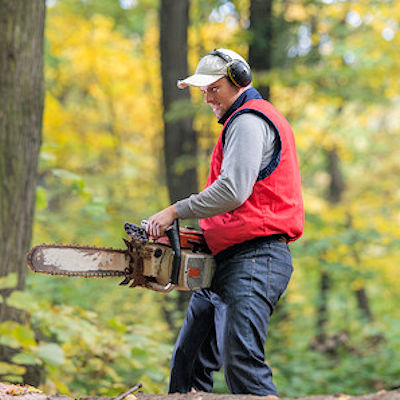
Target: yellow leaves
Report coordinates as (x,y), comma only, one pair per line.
(336,10)
(358,284)
(103,104)
(6,368)
(314,203)
(94,56)
(103,26)
(102,139)
(22,300)
(92,47)
(32,389)
(8,281)
(55,117)
(296,12)
(212,35)
(18,390)
(16,335)
(344,397)
(57,381)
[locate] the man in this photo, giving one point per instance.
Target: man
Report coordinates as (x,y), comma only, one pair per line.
(250,209)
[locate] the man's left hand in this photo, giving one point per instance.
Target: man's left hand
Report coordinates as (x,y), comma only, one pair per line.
(158,223)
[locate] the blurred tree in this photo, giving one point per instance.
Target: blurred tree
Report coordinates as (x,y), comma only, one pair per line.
(21,109)
(261,37)
(180,139)
(334,196)
(180,142)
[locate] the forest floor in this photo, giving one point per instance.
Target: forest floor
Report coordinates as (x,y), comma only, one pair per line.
(16,392)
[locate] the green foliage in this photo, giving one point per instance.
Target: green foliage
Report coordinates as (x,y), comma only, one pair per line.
(86,351)
(9,281)
(362,364)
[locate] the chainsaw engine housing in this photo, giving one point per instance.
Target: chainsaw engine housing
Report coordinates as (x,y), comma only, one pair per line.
(196,270)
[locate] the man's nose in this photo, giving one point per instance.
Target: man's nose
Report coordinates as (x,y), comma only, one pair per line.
(208,98)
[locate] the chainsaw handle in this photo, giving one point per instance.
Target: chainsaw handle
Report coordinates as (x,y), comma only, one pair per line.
(174,240)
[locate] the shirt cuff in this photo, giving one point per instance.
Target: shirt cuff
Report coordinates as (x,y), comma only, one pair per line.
(183,209)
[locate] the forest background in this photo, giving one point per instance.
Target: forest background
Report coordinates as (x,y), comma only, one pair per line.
(332,68)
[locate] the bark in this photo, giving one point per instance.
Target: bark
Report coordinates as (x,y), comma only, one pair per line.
(322,315)
(21,109)
(180,139)
(363,303)
(337,185)
(180,142)
(260,50)
(361,293)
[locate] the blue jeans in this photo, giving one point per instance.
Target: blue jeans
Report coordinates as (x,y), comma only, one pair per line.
(228,323)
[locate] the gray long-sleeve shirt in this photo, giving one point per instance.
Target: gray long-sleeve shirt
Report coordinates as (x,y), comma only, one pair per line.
(249,146)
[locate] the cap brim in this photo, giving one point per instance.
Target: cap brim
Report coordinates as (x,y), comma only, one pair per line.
(198,80)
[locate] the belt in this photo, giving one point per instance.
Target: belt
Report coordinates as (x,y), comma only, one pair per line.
(283,238)
(232,250)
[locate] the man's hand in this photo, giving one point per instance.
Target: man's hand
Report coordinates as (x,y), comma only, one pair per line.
(158,223)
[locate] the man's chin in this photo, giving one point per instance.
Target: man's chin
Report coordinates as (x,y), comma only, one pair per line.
(218,114)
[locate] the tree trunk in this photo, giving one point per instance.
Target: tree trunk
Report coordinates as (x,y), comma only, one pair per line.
(180,142)
(337,185)
(180,139)
(322,315)
(360,293)
(260,50)
(334,196)
(363,303)
(21,109)
(336,188)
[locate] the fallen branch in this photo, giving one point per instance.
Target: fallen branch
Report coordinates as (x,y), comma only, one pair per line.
(130,391)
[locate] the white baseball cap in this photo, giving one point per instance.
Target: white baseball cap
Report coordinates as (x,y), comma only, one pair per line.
(209,69)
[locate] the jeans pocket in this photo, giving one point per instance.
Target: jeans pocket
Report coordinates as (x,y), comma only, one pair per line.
(233,280)
(279,275)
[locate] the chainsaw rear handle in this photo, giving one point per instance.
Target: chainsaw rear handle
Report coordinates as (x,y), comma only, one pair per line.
(174,240)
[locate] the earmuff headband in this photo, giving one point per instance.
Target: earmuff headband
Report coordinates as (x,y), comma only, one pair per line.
(238,72)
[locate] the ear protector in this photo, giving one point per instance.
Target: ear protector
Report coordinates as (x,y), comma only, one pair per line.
(237,71)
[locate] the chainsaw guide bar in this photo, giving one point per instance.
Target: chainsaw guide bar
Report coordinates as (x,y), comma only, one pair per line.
(84,261)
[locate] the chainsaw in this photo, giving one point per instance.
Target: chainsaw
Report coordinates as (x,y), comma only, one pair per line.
(178,260)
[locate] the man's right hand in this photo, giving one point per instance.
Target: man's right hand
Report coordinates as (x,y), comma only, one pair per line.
(158,223)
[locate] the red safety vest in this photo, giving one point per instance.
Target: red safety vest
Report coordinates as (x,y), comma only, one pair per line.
(275,206)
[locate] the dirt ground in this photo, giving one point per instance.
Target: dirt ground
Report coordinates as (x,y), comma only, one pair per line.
(16,392)
(382,395)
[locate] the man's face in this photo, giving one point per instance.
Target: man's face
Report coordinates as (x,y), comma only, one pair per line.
(220,95)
